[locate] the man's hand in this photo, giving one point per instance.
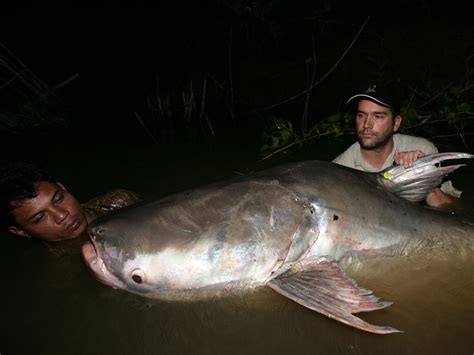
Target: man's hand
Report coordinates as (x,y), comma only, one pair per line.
(439,199)
(407,158)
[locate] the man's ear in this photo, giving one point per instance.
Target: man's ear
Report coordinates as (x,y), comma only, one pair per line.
(396,123)
(19,232)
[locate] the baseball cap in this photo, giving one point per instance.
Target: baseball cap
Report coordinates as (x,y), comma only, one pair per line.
(381,95)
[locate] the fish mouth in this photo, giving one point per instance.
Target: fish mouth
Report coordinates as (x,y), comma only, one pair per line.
(96,265)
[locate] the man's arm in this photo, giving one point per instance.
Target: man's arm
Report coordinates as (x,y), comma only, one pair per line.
(439,199)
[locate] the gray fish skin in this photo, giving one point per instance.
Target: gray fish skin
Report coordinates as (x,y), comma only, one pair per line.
(294,228)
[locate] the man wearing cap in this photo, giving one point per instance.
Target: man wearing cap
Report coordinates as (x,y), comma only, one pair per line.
(377,119)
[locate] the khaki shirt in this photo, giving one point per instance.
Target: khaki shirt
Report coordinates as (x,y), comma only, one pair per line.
(352,157)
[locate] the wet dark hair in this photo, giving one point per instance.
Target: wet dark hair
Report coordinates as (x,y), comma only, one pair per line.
(17,184)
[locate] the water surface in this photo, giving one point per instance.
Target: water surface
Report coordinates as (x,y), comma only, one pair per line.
(51,305)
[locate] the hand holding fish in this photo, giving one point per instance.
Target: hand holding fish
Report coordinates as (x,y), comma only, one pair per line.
(407,158)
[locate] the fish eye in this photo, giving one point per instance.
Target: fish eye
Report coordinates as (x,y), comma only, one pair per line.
(138,276)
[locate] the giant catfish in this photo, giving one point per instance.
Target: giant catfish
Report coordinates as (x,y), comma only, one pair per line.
(294,228)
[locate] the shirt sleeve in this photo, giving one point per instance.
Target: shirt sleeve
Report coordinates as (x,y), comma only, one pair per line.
(346,158)
(448,188)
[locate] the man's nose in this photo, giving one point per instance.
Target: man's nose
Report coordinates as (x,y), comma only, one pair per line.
(60,215)
(368,122)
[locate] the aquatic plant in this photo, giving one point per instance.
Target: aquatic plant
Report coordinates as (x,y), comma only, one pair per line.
(169,117)
(440,115)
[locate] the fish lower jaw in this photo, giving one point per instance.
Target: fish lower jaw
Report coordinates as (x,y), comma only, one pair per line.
(97,267)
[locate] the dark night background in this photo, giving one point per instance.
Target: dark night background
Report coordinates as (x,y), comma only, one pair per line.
(120,48)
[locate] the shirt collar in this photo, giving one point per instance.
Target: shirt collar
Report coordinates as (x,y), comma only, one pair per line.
(363,165)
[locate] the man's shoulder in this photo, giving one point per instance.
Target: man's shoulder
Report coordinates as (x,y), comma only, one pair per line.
(112,200)
(348,156)
(405,142)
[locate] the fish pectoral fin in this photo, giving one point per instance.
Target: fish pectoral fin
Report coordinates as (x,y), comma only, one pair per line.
(324,288)
(416,182)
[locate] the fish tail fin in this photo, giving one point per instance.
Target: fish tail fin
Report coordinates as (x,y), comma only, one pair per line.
(416,182)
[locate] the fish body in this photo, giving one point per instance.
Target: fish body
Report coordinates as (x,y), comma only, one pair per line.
(294,228)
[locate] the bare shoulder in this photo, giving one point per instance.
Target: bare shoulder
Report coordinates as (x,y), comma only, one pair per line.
(112,200)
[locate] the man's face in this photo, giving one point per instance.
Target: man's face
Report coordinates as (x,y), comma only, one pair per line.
(53,215)
(375,124)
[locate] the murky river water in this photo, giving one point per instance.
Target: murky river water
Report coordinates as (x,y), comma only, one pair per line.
(51,305)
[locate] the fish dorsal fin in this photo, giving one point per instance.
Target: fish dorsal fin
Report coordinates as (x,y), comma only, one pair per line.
(416,182)
(324,288)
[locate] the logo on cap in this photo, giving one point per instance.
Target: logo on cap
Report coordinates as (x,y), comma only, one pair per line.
(372,88)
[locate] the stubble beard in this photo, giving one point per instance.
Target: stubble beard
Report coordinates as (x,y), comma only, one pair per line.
(375,144)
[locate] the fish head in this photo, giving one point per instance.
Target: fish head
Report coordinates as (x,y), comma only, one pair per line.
(160,249)
(117,257)
(111,263)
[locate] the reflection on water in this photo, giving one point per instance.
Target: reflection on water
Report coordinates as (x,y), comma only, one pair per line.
(51,305)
